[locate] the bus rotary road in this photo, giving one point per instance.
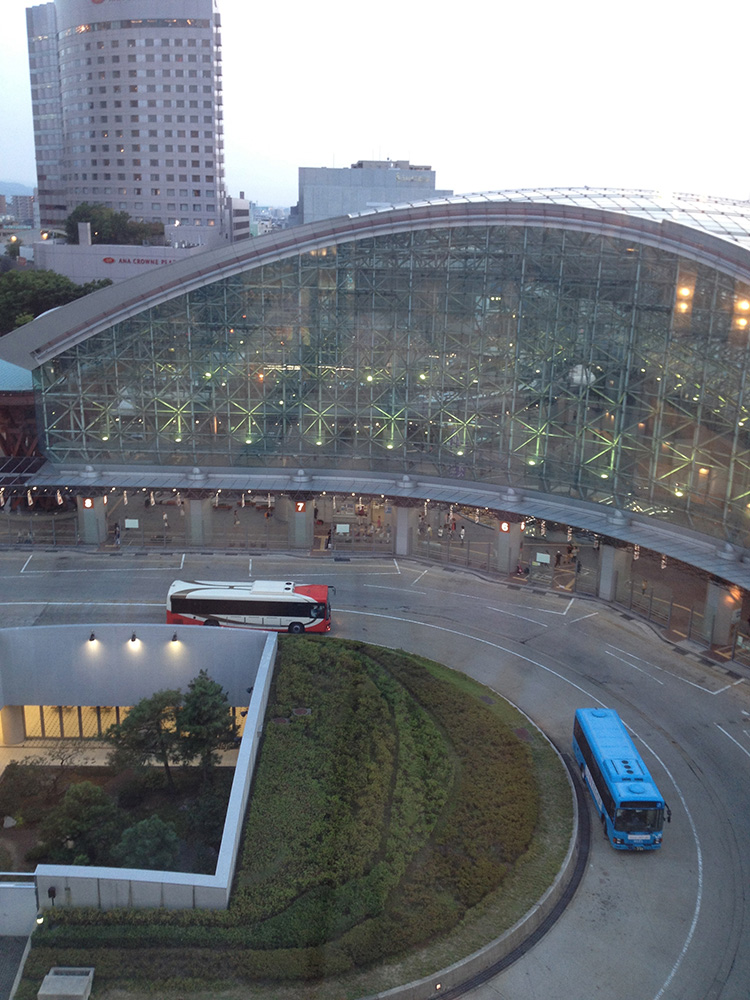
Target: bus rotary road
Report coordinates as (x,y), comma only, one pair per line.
(672,924)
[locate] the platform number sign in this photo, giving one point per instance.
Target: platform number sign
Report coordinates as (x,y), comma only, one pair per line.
(300,506)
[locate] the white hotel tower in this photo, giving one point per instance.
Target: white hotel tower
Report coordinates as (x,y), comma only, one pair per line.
(127,106)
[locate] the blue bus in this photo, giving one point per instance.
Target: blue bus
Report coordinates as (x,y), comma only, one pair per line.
(630,805)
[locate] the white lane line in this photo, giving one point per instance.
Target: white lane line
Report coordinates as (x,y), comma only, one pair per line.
(398,568)
(82,604)
(677,677)
(583,617)
(634,667)
(747,752)
(549,611)
(23,568)
(728,686)
(420,576)
(512,614)
(588,694)
(699,894)
(398,590)
(99,569)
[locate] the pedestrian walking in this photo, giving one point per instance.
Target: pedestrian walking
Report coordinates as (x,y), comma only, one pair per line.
(558,557)
(165,519)
(117,534)
(462,534)
(440,531)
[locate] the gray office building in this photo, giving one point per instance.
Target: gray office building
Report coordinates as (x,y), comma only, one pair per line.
(127,107)
(327,192)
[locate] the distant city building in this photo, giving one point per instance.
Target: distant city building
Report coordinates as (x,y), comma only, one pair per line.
(127,109)
(22,209)
(327,192)
(238,212)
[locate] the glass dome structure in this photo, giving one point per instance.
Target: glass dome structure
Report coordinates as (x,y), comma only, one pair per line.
(588,345)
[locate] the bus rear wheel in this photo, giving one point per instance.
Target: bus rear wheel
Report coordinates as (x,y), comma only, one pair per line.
(296,627)
(211,621)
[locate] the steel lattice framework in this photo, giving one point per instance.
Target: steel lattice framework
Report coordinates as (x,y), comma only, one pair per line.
(575,362)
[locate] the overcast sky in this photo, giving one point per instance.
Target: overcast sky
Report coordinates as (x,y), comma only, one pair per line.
(492,94)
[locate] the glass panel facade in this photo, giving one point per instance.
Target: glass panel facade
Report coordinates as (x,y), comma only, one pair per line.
(569,362)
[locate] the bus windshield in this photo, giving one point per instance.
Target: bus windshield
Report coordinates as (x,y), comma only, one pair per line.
(637,819)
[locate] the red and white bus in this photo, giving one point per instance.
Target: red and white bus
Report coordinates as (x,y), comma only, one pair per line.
(274,605)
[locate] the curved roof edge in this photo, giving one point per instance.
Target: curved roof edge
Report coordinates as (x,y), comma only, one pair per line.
(722,559)
(48,335)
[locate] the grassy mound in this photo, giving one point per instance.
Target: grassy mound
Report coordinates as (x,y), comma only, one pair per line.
(391,806)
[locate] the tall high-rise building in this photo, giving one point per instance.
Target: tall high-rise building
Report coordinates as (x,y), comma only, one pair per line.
(127,106)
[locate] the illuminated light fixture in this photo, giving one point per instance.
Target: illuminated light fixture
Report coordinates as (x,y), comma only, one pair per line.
(134,637)
(39,919)
(423,377)
(92,637)
(319,443)
(743,305)
(703,471)
(604,475)
(104,499)
(685,291)
(390,448)
(105,437)
(174,637)
(459,453)
(682,307)
(532,461)
(742,321)
(59,498)
(369,378)
(178,439)
(678,492)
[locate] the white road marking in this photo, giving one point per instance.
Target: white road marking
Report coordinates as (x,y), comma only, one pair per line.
(512,614)
(634,667)
(736,743)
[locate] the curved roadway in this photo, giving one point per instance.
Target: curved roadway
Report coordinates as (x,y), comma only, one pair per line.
(672,924)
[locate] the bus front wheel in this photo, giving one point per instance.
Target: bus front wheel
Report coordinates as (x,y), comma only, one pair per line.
(296,627)
(210,621)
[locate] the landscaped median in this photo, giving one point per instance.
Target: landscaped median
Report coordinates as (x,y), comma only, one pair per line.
(402,817)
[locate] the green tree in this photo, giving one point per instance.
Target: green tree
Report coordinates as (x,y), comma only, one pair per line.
(148,733)
(108,226)
(152,843)
(206,726)
(84,827)
(25,294)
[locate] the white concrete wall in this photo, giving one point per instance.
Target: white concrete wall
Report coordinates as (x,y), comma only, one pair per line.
(58,665)
(110,888)
(17,908)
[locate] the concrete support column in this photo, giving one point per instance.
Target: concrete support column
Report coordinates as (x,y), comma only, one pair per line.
(405,527)
(198,522)
(507,547)
(723,613)
(92,520)
(613,567)
(12,728)
(300,520)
